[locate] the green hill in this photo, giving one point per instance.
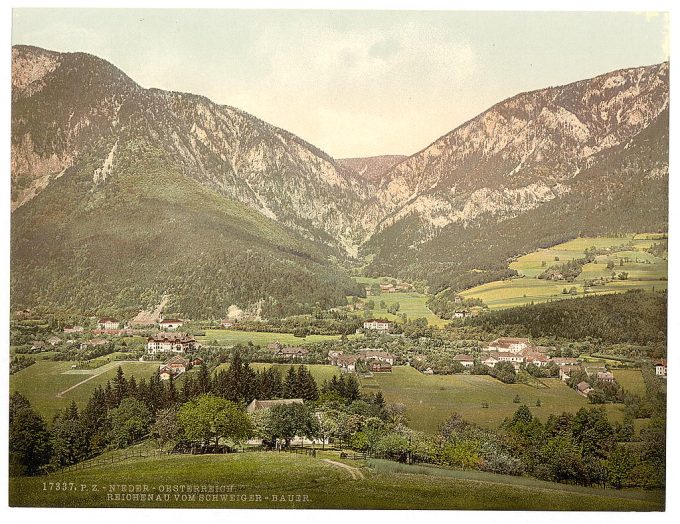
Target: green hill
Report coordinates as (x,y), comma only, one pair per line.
(120,244)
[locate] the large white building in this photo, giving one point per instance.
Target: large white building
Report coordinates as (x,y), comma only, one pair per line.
(377,325)
(108,323)
(171,343)
(171,323)
(512,345)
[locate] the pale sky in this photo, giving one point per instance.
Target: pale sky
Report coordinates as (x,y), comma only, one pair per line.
(354,83)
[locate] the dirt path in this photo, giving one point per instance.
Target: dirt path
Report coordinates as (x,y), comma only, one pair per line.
(95,373)
(355,472)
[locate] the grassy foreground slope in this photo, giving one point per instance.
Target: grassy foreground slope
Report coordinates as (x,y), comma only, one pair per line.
(325,485)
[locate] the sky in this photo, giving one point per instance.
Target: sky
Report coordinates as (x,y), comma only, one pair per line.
(354,83)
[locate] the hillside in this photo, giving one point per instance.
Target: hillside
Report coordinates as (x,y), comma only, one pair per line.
(67,105)
(540,168)
(149,230)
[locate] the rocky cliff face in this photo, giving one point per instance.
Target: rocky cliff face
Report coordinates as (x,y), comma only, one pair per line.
(523,152)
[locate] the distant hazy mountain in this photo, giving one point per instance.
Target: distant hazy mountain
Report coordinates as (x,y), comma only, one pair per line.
(121,194)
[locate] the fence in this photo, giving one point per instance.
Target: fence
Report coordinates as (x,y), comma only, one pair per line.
(124,455)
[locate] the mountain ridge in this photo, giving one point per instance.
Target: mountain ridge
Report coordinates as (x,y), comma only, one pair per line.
(534,154)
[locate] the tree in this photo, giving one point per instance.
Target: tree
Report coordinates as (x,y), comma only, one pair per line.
(286,421)
(208,417)
(166,428)
(620,464)
(29,440)
(69,440)
(129,422)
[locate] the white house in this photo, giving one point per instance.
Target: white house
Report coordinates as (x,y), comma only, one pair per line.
(374,354)
(662,368)
(377,325)
(108,323)
(490,361)
(170,343)
(512,345)
(466,360)
(170,323)
(228,323)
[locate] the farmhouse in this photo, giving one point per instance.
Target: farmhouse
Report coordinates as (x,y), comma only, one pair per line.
(53,340)
(108,323)
(374,354)
(170,323)
(605,376)
(167,342)
(490,361)
(594,370)
(347,363)
(178,364)
(466,360)
(662,368)
(460,314)
(377,325)
(73,329)
(333,356)
(228,323)
(387,288)
(535,358)
(428,371)
(259,405)
(512,345)
(274,346)
(376,366)
(566,371)
(291,353)
(583,388)
(506,356)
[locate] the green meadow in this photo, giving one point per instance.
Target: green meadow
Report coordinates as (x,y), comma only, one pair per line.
(412,303)
(631,381)
(645,271)
(41,382)
(263,479)
(430,399)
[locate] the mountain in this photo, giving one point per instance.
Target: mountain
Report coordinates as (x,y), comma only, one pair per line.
(66,105)
(588,157)
(121,194)
(371,168)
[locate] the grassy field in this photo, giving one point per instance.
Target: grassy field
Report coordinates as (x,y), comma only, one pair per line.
(412,303)
(324,485)
(228,337)
(431,399)
(42,381)
(631,380)
(645,271)
(320,372)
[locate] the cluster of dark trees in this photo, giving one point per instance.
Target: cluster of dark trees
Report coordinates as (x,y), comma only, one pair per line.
(637,317)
